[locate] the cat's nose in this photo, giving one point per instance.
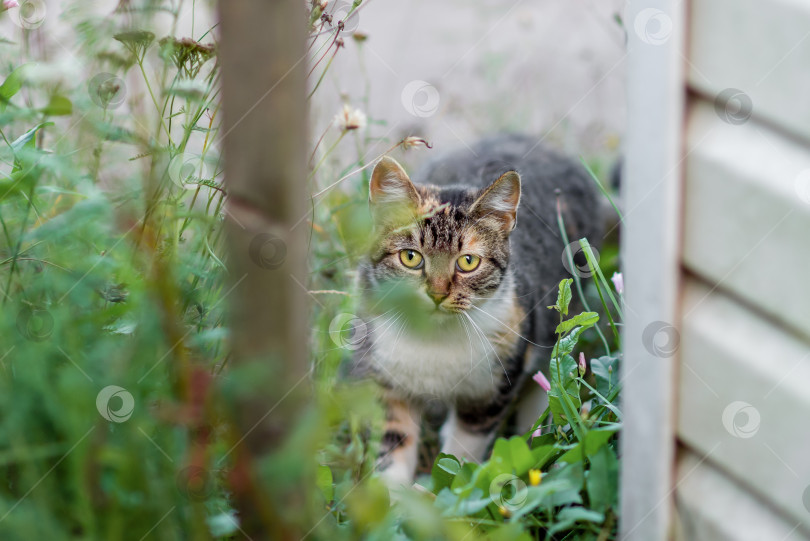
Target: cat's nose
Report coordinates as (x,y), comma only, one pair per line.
(437,297)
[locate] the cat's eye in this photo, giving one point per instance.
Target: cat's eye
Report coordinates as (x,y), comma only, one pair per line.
(410,258)
(468,262)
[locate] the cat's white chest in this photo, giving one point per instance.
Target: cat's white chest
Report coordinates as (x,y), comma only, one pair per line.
(458,360)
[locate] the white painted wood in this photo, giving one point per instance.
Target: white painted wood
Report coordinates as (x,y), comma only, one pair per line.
(710,505)
(761,47)
(744,398)
(747,214)
(650,253)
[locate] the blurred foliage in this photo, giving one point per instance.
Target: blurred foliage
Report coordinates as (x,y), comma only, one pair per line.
(114,378)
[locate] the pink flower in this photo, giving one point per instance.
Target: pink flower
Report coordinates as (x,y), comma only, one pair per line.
(537,433)
(618,282)
(542,381)
(8,4)
(582,364)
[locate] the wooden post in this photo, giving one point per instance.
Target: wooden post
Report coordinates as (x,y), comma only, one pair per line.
(651,263)
(263,62)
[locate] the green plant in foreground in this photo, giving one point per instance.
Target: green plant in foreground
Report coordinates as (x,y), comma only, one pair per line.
(557,481)
(578,487)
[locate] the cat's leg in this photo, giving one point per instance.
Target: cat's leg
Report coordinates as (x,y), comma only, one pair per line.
(466,438)
(399,450)
(531,405)
(472,424)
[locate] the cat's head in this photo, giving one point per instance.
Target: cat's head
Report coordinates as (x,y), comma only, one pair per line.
(449,245)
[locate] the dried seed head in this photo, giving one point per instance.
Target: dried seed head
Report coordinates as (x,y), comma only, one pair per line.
(350,119)
(413,142)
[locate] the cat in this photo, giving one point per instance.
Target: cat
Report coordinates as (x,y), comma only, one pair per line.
(454,289)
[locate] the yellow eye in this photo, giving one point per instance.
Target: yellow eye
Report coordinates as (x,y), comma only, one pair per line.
(410,258)
(467,263)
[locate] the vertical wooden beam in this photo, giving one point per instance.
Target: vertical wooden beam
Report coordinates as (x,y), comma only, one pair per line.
(651,263)
(263,62)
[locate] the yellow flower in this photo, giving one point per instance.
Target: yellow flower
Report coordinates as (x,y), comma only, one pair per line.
(535,476)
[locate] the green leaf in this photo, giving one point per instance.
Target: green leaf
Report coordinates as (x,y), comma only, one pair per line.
(58,106)
(594,265)
(466,476)
(510,531)
(445,469)
(563,297)
(543,453)
(476,502)
(324,482)
(19,182)
(569,516)
(605,401)
(605,371)
(567,344)
(594,440)
(573,475)
(522,459)
(603,479)
(11,86)
(556,401)
(26,140)
(564,382)
(567,369)
(367,503)
(585,319)
(546,492)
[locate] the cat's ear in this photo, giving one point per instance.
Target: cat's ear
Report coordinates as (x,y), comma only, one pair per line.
(498,203)
(391,193)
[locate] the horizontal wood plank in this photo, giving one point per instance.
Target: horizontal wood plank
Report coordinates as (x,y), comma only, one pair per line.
(747,214)
(760,47)
(711,505)
(744,398)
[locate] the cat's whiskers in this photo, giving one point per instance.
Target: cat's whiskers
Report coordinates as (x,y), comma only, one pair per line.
(474,330)
(486,339)
(469,342)
(375,318)
(509,328)
(390,322)
(399,334)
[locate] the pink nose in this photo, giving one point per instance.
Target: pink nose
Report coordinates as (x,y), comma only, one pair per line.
(437,297)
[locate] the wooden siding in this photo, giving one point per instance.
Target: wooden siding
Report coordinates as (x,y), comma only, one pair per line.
(746,216)
(741,238)
(711,506)
(761,47)
(743,398)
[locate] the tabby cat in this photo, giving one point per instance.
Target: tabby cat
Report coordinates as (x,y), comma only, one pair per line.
(455,287)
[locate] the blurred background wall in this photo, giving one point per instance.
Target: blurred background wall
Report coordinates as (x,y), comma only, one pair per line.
(453,71)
